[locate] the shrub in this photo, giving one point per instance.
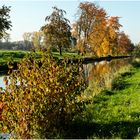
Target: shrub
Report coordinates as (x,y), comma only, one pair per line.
(41,97)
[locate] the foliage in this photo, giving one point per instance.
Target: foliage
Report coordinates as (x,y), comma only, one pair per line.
(57,30)
(27,41)
(90,18)
(41,97)
(5,23)
(136,50)
(34,40)
(99,33)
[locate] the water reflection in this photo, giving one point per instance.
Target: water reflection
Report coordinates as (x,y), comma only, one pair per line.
(1,82)
(99,75)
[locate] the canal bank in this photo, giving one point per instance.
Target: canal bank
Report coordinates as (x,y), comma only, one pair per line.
(114,113)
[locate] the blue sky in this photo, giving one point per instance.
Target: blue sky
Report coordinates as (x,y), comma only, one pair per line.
(29,15)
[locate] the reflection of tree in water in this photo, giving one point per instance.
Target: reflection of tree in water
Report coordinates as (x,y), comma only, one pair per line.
(99,75)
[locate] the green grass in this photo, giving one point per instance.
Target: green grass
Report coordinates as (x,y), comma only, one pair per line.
(66,55)
(113,113)
(16,56)
(6,56)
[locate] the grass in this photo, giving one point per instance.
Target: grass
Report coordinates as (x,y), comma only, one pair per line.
(113,113)
(66,55)
(16,56)
(7,55)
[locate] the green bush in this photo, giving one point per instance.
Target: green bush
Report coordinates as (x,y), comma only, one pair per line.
(41,97)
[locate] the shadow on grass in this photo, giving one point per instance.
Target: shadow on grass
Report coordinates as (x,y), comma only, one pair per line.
(135,64)
(127,74)
(119,83)
(83,130)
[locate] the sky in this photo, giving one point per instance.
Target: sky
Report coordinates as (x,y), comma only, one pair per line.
(29,15)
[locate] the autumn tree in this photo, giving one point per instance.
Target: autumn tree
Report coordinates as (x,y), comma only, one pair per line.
(113,30)
(97,32)
(57,30)
(89,27)
(5,23)
(124,44)
(108,40)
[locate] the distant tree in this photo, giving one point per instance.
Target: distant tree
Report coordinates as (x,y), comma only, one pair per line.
(124,44)
(27,40)
(136,49)
(37,40)
(57,30)
(5,23)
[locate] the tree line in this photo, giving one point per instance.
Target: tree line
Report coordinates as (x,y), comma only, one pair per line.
(93,33)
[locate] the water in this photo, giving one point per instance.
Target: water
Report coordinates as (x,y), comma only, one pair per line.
(98,75)
(1,82)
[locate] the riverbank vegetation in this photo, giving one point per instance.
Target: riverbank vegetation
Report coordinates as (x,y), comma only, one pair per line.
(54,101)
(114,113)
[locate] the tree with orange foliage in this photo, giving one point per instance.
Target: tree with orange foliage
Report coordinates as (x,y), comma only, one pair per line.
(98,33)
(89,25)
(113,31)
(124,44)
(109,43)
